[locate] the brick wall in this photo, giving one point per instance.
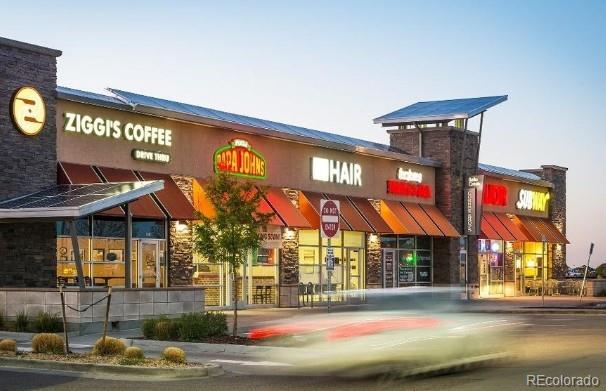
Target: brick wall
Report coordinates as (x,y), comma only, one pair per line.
(27,164)
(456,150)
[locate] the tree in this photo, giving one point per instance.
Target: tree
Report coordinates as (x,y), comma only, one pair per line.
(228,236)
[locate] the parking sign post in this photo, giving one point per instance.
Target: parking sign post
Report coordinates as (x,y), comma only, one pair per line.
(329,226)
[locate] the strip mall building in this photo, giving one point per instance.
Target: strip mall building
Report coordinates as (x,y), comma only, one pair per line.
(419,211)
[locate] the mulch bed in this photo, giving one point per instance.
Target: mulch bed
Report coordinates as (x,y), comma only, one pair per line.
(112,360)
(221,339)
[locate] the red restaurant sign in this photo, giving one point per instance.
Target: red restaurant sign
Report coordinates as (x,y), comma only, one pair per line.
(241,159)
(494,195)
(408,189)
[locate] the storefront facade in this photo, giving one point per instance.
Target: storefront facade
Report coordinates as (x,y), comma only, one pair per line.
(401,208)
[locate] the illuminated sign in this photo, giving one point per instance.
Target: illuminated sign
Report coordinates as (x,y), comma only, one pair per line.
(409,175)
(241,159)
(532,200)
(494,195)
(114,129)
(150,156)
(28,111)
(408,189)
(326,170)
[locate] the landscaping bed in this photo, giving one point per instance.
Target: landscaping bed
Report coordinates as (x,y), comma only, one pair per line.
(96,359)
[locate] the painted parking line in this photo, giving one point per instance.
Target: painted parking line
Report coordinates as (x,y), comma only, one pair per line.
(253,363)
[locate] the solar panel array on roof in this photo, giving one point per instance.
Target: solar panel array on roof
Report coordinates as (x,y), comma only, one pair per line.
(440,110)
(509,172)
(75,200)
(199,111)
(90,97)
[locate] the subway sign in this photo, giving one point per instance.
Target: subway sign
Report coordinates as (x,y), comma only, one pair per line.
(532,200)
(239,158)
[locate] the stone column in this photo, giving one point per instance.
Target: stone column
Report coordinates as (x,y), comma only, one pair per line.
(27,164)
(289,261)
(374,276)
(181,246)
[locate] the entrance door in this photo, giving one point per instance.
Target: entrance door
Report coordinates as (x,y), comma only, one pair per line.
(149,264)
(390,269)
(354,270)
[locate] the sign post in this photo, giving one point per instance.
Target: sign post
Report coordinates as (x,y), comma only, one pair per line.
(585,274)
(329,226)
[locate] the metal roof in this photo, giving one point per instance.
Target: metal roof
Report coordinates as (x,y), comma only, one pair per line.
(440,110)
(75,201)
(514,174)
(130,101)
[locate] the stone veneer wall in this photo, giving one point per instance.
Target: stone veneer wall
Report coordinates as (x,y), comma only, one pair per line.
(557,213)
(27,164)
(289,261)
(374,269)
(446,144)
(180,245)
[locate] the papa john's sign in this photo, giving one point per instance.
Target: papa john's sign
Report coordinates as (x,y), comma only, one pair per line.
(239,158)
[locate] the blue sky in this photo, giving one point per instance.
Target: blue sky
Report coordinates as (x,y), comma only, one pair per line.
(335,66)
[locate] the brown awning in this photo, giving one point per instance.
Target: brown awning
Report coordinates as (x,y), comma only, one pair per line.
(422,219)
(398,218)
(80,174)
(539,228)
(309,205)
(494,222)
(174,202)
(285,208)
(518,234)
(488,232)
(440,220)
(371,215)
(144,207)
(350,213)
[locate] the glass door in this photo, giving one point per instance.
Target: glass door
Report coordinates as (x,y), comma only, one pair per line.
(354,270)
(149,264)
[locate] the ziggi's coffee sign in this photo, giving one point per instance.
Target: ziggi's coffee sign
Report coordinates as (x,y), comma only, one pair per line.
(239,158)
(130,131)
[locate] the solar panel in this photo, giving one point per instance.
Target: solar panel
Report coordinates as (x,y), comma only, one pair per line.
(204,112)
(509,172)
(440,110)
(75,200)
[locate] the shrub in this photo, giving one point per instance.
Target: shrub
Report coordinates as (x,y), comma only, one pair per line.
(8,345)
(47,343)
(111,347)
(134,353)
(149,328)
(22,321)
(197,326)
(175,355)
(46,322)
(166,330)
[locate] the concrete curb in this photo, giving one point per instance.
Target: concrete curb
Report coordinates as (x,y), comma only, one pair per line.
(124,371)
(545,310)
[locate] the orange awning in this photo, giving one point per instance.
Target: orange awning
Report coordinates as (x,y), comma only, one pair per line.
(350,214)
(422,219)
(144,207)
(518,234)
(488,232)
(309,205)
(496,224)
(441,221)
(371,215)
(285,209)
(398,218)
(80,174)
(539,229)
(172,198)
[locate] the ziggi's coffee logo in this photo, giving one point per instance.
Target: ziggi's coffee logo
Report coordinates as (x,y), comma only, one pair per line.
(28,111)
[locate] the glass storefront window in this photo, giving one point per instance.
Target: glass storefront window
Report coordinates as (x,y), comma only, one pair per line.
(335,241)
(406,242)
(353,239)
(309,237)
(389,241)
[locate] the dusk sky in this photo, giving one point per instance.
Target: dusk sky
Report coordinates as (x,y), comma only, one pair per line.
(336,66)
